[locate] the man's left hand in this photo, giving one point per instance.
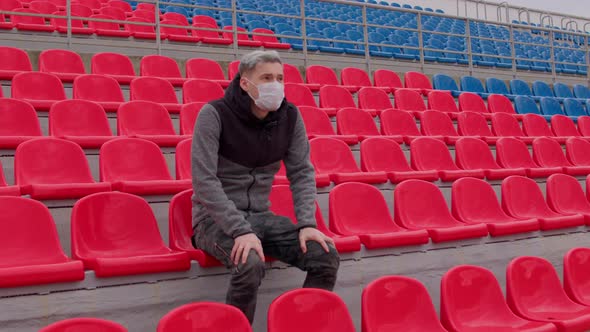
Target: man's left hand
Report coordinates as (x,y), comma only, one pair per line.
(312,234)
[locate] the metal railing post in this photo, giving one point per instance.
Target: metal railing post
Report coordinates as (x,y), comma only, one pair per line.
(420,40)
(469,51)
(158,32)
(587,57)
(303,31)
(234,22)
(552,54)
(69,22)
(512,51)
(366,39)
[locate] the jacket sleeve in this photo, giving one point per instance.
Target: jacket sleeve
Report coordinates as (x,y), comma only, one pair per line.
(301,175)
(207,186)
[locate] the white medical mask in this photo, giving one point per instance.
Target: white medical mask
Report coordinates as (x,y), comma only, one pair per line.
(270,95)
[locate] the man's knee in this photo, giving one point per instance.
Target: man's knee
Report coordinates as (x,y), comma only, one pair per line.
(317,257)
(251,272)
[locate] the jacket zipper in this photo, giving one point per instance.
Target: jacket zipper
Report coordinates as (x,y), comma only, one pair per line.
(248,190)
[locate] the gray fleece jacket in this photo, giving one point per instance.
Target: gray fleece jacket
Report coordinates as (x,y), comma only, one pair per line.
(235,157)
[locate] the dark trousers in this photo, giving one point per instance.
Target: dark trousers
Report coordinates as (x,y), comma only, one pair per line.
(280,240)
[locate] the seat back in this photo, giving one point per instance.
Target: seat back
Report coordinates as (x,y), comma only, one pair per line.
(143,28)
(78,118)
(9,5)
(206,69)
(573,107)
(408,100)
(472,84)
(49,160)
(132,159)
(561,90)
(416,80)
(475,201)
(269,36)
(111,64)
(550,106)
(497,86)
(522,197)
(470,296)
(473,153)
(21,19)
(183,160)
(97,88)
(501,104)
(201,90)
(581,91)
(520,87)
(355,77)
(584,125)
(179,19)
(309,309)
(578,151)
(14,59)
(547,152)
(542,89)
(419,204)
(321,75)
(576,274)
(188,117)
(565,194)
(37,86)
(335,97)
(154,89)
(382,154)
(472,124)
(330,155)
(62,22)
(373,98)
(316,121)
(84,324)
(444,82)
(169,30)
(291,74)
(430,154)
(233,69)
(504,124)
(299,95)
(18,118)
(206,317)
(513,153)
(387,78)
(564,126)
(159,66)
(435,123)
(205,20)
(442,101)
(407,297)
(140,117)
(352,121)
(471,102)
(106,13)
(536,125)
(394,122)
(180,228)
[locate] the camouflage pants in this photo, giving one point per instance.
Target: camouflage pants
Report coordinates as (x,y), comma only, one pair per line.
(280,240)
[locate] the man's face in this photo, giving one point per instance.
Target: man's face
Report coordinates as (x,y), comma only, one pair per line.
(264,72)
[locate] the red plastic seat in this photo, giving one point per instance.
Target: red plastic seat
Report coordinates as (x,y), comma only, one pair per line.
(149,121)
(410,101)
(576,275)
(9,5)
(583,122)
(384,155)
(281,203)
(474,202)
(522,198)
(389,79)
(39,89)
(323,75)
(407,298)
(162,67)
(85,8)
(566,196)
(352,121)
(317,124)
(80,121)
(233,69)
(43,7)
(116,234)
(179,18)
(564,126)
(66,65)
(18,123)
(138,167)
(205,19)
(201,90)
(209,36)
(76,26)
(300,95)
(206,69)
(84,324)
(103,90)
(535,125)
(337,97)
(443,101)
(350,215)
(188,117)
(41,260)
(333,158)
(501,104)
(141,28)
(416,80)
(428,154)
(180,226)
(14,61)
(29,23)
(474,154)
(472,300)
(358,77)
(50,168)
(435,123)
(205,317)
(110,29)
(311,310)
(578,151)
(373,99)
(534,291)
(475,124)
(4,25)
(395,122)
(94,5)
(548,153)
(242,36)
(513,153)
(505,125)
(269,40)
(420,205)
(125,6)
(157,90)
(292,75)
(117,66)
(174,33)
(472,102)
(182,158)
(145,13)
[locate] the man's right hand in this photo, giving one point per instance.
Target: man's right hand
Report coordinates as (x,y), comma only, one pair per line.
(242,246)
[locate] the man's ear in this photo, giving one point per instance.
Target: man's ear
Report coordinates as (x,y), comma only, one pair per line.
(244,84)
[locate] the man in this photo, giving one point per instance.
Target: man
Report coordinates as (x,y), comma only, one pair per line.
(238,145)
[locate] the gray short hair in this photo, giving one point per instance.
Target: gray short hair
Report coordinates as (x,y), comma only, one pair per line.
(249,61)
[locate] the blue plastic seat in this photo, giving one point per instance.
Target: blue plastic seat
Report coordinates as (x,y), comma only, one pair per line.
(497,86)
(297,44)
(179,10)
(349,48)
(323,46)
(542,89)
(525,104)
(574,108)
(445,82)
(522,88)
(561,90)
(472,84)
(581,91)
(550,106)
